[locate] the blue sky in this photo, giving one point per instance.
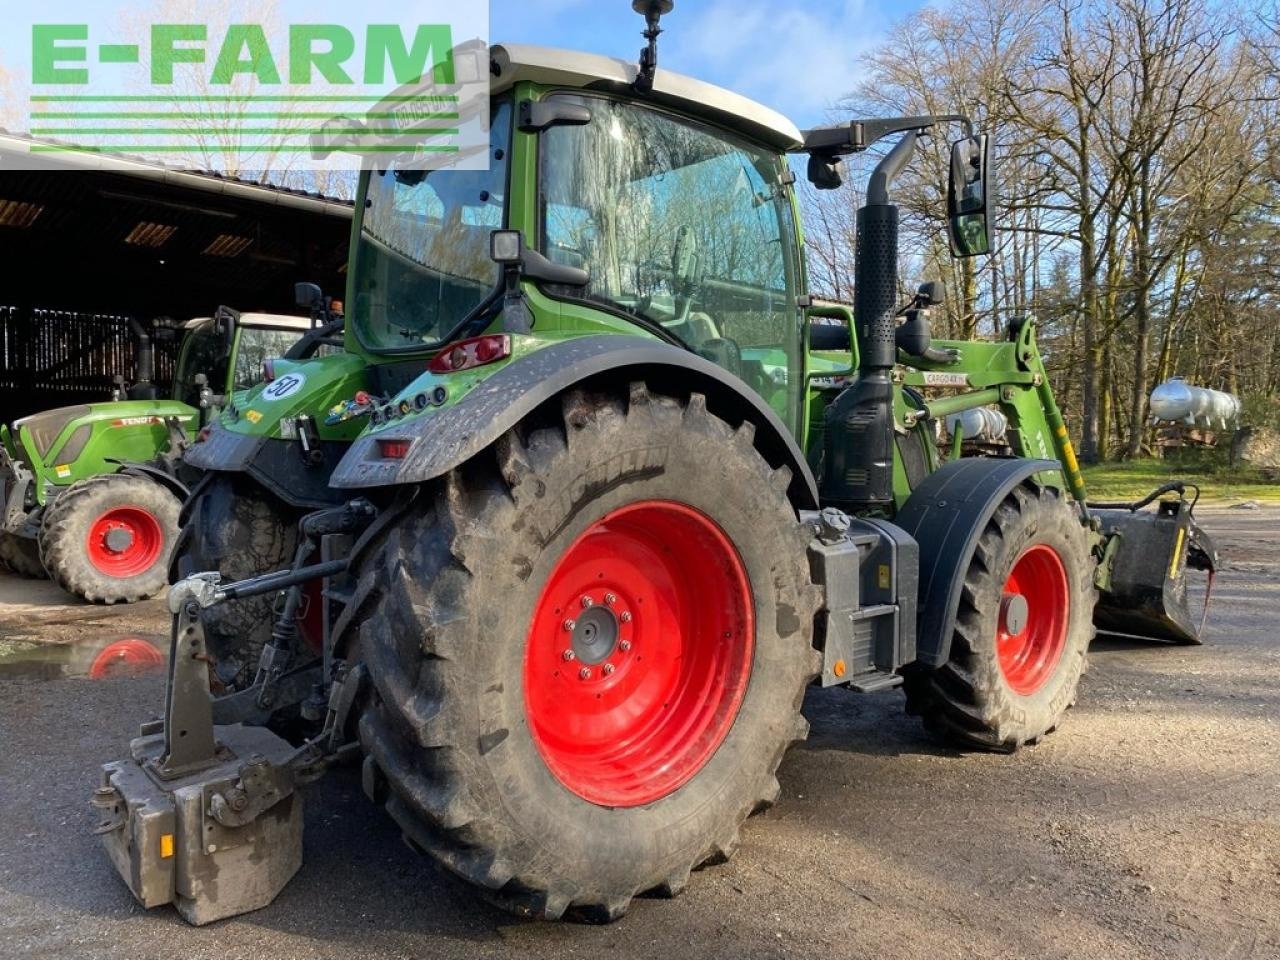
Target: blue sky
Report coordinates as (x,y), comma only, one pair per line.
(797,57)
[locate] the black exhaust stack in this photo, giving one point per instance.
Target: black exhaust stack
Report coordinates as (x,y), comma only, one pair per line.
(144,387)
(859,424)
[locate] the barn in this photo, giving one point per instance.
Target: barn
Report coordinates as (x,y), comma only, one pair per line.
(89,243)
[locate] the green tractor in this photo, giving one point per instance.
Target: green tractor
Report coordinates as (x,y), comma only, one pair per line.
(595,492)
(90,494)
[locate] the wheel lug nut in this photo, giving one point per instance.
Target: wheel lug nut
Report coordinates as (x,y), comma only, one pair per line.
(610,599)
(608,669)
(584,673)
(586,602)
(570,624)
(624,646)
(626,616)
(568,655)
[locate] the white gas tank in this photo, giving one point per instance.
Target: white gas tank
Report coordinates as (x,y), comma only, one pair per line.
(1176,401)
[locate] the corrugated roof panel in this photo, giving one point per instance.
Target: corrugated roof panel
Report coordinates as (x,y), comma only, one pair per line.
(147,234)
(228,245)
(15,213)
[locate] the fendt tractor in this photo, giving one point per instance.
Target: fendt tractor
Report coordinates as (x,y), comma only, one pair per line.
(90,494)
(594,493)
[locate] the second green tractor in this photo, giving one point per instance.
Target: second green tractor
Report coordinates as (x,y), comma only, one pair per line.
(90,494)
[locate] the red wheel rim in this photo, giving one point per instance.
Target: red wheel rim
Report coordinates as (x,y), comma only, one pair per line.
(1032,632)
(639,653)
(125,541)
(128,657)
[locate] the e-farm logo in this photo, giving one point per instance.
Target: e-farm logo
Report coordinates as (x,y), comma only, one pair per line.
(244,96)
(316,51)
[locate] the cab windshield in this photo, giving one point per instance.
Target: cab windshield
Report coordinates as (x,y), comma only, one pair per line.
(206,352)
(422,264)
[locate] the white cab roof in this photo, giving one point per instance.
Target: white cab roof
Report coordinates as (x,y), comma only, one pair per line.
(516,63)
(275,321)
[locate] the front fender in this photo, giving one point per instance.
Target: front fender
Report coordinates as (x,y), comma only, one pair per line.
(946,514)
(455,434)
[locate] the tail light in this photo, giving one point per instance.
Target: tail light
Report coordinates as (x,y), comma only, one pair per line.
(469,354)
(268,371)
(393,449)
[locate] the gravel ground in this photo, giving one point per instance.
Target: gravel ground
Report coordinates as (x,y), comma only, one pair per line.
(1148,826)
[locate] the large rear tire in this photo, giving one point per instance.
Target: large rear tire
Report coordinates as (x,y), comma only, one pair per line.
(22,556)
(108,538)
(588,654)
(236,528)
(1022,631)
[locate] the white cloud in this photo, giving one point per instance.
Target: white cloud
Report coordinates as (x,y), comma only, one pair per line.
(798,59)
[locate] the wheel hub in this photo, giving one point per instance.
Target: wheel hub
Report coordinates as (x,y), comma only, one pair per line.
(119,539)
(1013,614)
(595,635)
(637,659)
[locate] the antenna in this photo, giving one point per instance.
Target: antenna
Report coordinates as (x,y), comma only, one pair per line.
(652,11)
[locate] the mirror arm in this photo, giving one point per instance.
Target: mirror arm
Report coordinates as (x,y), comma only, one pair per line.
(859,135)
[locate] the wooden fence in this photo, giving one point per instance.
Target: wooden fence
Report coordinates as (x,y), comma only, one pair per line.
(53,358)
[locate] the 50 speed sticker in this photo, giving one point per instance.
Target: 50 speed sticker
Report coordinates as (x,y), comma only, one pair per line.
(286,386)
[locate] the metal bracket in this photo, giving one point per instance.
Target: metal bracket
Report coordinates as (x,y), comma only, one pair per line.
(259,787)
(189,744)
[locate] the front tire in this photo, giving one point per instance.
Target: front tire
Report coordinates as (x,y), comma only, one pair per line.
(1022,630)
(236,528)
(22,556)
(570,784)
(108,538)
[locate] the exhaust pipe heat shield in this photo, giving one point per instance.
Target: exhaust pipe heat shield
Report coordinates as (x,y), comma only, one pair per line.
(1147,596)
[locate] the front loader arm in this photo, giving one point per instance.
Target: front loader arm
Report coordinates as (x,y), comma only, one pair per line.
(1009,374)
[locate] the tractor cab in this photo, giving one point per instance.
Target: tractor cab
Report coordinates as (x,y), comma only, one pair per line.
(226,353)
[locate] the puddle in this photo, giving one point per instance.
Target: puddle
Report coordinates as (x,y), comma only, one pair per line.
(131,655)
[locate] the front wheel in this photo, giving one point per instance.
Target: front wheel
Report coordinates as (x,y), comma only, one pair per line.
(22,556)
(1022,630)
(108,538)
(236,528)
(588,655)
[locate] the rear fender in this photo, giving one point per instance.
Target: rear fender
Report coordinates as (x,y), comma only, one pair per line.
(455,434)
(947,514)
(158,474)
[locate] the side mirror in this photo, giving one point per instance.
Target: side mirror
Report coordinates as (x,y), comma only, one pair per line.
(970,197)
(307,295)
(224,320)
(826,171)
(507,249)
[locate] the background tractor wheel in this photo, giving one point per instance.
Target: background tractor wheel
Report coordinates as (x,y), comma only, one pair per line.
(238,529)
(22,556)
(108,539)
(1022,631)
(588,654)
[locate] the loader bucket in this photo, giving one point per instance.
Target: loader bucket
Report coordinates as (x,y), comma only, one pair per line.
(1147,595)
